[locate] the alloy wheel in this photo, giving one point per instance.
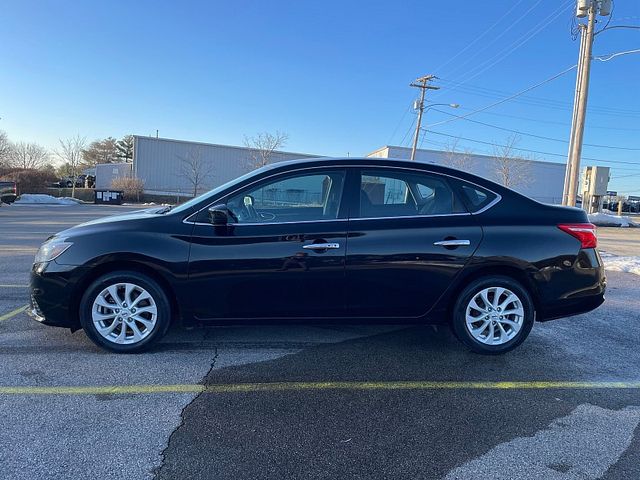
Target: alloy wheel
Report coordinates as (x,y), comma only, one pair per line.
(494,316)
(124,313)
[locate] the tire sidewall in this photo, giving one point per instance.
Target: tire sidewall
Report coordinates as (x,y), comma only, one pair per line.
(459,314)
(150,285)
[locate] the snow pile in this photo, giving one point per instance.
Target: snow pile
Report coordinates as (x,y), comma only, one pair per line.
(38,198)
(622,264)
(607,220)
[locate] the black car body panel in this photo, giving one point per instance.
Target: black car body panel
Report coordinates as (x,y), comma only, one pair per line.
(378,269)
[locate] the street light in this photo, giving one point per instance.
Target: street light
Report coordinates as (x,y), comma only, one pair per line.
(421,108)
(452,105)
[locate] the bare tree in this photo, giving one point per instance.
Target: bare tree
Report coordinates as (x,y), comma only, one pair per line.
(26,155)
(5,149)
(263,146)
(458,159)
(511,169)
(195,170)
(70,152)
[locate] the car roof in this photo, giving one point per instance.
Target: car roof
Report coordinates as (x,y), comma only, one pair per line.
(382,162)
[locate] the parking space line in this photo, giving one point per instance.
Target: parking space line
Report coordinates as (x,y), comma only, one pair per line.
(13,313)
(307,386)
(14,286)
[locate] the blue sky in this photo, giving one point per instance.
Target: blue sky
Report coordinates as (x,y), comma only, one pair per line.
(334,75)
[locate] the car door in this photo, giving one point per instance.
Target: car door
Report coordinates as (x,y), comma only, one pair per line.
(408,240)
(282,254)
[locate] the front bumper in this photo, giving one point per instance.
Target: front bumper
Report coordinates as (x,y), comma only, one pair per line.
(53,299)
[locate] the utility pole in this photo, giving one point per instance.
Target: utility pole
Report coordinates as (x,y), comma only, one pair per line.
(423,84)
(567,173)
(588,8)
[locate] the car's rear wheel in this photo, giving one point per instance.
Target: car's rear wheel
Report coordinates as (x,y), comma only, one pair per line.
(125,312)
(493,315)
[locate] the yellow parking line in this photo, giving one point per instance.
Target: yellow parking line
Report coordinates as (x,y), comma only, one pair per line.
(306,386)
(13,313)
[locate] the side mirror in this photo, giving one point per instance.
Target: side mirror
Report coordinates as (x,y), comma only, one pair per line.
(219,215)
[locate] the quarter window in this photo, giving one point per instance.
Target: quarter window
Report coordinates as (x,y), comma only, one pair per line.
(475,197)
(389,193)
(291,199)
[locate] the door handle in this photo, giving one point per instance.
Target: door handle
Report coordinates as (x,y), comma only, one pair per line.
(452,243)
(321,246)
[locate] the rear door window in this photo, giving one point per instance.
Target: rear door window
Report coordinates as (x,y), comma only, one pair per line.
(401,193)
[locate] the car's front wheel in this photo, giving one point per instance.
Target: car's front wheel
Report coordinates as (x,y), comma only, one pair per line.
(125,312)
(493,315)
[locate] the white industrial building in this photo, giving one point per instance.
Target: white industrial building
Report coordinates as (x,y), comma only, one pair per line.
(542,181)
(163,164)
(160,163)
(107,172)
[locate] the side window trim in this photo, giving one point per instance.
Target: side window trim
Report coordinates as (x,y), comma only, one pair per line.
(349,206)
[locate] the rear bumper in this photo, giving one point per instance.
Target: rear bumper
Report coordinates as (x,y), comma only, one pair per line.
(52,299)
(569,308)
(578,290)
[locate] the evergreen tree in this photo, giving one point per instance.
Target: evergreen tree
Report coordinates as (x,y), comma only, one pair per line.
(125,148)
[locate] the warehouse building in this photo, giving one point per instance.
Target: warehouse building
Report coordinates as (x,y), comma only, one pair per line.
(542,181)
(108,172)
(169,167)
(164,165)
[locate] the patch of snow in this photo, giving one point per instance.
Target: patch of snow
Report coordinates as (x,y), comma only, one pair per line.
(602,219)
(622,264)
(142,204)
(42,199)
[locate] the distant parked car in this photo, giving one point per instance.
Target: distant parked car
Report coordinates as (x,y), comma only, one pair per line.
(8,192)
(67,182)
(326,241)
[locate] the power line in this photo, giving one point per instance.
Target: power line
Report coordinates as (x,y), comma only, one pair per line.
(625,176)
(529,150)
(565,124)
(407,132)
(470,58)
(399,123)
(490,154)
(482,35)
(606,58)
(540,101)
(515,95)
(504,53)
(542,137)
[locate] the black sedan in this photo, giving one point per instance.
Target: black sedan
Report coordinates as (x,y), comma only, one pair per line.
(326,241)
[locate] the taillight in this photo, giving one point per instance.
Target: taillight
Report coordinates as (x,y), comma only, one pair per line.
(585,232)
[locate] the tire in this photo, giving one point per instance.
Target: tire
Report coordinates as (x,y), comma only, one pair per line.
(141,306)
(482,326)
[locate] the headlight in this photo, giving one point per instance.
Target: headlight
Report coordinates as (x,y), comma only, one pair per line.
(51,249)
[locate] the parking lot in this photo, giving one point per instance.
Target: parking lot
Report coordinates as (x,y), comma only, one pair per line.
(314,402)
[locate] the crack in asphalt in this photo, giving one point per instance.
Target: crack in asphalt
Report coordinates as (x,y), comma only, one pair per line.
(156,470)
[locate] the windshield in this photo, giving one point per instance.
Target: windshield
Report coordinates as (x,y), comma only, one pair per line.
(183,207)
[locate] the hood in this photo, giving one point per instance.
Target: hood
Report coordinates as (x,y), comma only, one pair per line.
(121,220)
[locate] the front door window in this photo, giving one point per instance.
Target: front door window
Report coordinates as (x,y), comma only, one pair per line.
(300,198)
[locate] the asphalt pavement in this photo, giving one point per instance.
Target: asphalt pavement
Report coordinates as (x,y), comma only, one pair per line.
(312,401)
